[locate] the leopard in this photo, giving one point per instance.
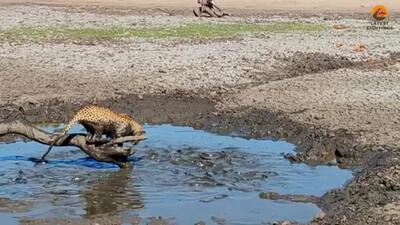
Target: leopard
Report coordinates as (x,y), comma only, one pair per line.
(99,121)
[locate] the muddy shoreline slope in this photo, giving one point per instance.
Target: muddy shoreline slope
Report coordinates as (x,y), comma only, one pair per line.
(334,93)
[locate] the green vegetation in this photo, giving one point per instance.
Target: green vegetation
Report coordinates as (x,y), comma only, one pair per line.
(184,31)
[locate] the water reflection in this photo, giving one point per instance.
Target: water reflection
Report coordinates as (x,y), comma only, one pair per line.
(112,194)
(106,199)
(9,206)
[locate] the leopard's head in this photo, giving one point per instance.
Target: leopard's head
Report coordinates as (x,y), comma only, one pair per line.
(137,129)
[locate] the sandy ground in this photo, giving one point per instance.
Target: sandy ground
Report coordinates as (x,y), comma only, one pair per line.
(339,5)
(313,89)
(366,104)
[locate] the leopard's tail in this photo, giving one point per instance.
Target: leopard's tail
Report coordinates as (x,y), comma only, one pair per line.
(63,132)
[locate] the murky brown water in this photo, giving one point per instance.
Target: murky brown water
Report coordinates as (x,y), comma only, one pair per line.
(179,173)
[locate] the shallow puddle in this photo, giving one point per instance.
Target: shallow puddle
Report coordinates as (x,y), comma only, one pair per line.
(179,173)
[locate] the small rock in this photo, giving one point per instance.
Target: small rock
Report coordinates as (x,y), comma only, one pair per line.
(320,216)
(286,222)
(219,221)
(339,26)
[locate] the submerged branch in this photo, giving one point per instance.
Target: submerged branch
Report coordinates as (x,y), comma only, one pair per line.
(103,151)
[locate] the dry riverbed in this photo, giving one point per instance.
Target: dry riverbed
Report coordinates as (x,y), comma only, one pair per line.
(335,93)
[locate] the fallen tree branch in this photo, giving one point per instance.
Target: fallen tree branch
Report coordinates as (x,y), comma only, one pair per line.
(109,142)
(103,151)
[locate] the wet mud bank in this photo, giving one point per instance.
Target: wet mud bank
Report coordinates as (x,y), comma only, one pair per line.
(349,205)
(177,109)
(369,198)
(314,144)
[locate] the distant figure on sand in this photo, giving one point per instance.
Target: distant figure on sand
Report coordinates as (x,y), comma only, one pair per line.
(209,8)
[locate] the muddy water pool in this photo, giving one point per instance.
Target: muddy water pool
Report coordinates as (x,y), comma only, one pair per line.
(179,173)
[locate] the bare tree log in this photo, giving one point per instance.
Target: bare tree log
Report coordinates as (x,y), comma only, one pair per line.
(103,151)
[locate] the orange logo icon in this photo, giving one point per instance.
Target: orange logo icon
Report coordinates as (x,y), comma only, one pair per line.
(379,12)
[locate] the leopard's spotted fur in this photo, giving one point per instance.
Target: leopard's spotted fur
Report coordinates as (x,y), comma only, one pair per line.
(107,121)
(100,121)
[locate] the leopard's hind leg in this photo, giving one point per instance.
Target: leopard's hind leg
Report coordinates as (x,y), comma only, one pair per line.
(94,131)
